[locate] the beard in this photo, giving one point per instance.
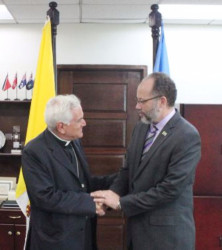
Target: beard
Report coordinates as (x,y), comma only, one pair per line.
(150,116)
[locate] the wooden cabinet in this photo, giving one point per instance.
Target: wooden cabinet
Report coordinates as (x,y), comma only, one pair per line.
(6,236)
(12,221)
(12,113)
(12,229)
(208,185)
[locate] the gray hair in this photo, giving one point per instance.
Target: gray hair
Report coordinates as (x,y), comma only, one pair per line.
(164,86)
(58,109)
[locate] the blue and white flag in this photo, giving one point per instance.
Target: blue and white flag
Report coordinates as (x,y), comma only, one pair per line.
(23,82)
(30,83)
(161,62)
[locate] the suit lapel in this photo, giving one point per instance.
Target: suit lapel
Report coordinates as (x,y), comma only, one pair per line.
(59,154)
(140,139)
(163,135)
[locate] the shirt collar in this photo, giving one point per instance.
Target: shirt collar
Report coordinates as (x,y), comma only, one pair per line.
(64,142)
(160,125)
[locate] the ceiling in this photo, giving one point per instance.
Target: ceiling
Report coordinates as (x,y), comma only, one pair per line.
(94,11)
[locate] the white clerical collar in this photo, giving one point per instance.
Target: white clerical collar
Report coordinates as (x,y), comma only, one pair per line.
(66,142)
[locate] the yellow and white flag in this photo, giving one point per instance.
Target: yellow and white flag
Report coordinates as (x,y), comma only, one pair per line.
(44,89)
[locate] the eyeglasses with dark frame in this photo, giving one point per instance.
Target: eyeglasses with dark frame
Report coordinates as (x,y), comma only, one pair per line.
(143,101)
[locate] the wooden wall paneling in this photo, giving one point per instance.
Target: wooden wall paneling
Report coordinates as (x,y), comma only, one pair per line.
(98,131)
(105,164)
(208,186)
(132,116)
(111,237)
(208,120)
(102,98)
(208,219)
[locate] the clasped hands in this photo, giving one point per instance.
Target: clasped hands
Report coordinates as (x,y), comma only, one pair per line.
(104,199)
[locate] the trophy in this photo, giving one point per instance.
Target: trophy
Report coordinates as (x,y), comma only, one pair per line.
(16,144)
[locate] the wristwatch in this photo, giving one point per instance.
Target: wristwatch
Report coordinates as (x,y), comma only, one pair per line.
(2,139)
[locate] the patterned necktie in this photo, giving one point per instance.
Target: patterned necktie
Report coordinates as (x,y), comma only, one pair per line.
(149,138)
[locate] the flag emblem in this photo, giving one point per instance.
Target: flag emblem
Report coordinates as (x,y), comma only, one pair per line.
(15,82)
(30,83)
(23,82)
(164,133)
(7,84)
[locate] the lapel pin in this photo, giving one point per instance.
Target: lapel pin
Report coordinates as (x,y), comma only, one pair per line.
(164,133)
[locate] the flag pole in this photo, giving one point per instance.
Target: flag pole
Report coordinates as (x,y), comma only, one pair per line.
(53,13)
(25,95)
(31,93)
(7,99)
(155,20)
(16,93)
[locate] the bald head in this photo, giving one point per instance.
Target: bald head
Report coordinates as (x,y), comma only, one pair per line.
(147,85)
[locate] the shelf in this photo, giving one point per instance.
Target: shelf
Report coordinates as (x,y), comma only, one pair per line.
(15,101)
(9,154)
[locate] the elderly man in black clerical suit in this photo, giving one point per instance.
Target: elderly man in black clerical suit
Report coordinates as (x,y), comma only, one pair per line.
(154,189)
(58,182)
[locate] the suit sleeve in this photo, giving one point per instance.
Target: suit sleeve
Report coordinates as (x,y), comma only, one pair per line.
(180,174)
(43,193)
(102,182)
(121,182)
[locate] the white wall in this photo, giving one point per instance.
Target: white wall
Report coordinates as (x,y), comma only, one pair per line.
(194,53)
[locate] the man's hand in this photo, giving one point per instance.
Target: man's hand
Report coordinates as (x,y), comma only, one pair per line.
(100,209)
(107,197)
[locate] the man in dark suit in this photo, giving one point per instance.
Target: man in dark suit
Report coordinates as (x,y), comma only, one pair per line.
(154,189)
(58,182)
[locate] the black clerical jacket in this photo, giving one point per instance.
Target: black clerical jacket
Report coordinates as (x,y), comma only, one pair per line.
(61,207)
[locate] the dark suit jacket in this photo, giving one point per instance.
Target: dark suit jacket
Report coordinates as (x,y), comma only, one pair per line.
(61,208)
(157,193)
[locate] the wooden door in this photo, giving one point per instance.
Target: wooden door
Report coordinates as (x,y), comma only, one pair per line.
(7,236)
(108,96)
(208,185)
(20,231)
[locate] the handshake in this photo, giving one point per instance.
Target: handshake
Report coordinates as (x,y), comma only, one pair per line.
(104,199)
